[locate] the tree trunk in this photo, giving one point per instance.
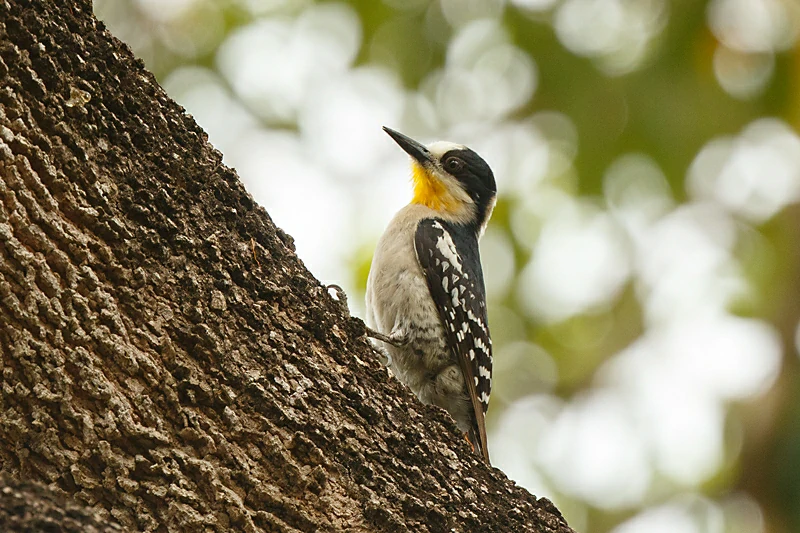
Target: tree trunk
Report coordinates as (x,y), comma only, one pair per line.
(167,360)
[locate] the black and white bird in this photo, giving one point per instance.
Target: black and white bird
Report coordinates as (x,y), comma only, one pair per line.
(426,302)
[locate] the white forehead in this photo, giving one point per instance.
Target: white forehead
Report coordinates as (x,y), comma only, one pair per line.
(439,148)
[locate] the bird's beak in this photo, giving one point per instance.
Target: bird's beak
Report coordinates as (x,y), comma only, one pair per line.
(412,147)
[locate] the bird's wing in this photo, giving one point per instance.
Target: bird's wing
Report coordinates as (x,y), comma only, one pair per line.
(448,254)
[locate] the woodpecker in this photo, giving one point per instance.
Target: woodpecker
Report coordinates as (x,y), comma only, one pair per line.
(426,301)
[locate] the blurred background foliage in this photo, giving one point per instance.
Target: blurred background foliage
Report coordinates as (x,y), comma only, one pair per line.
(643,263)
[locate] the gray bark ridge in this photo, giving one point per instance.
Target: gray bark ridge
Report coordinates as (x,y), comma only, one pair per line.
(167,360)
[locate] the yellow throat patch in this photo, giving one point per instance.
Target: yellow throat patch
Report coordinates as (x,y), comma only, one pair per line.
(430,191)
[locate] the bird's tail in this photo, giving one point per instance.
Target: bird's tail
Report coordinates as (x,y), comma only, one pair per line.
(478,444)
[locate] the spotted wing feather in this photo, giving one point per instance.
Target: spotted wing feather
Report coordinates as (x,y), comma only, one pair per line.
(449,256)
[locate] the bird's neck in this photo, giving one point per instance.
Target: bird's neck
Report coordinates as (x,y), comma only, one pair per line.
(484,209)
(434,195)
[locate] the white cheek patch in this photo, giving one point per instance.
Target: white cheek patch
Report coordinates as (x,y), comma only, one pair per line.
(453,186)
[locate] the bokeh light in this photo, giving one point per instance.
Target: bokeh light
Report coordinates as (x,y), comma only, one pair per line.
(616,32)
(755,175)
(580,263)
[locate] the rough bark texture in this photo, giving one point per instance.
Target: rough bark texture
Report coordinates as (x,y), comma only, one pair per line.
(167,361)
(32,507)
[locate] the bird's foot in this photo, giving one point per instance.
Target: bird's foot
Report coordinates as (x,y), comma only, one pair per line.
(398,338)
(339,296)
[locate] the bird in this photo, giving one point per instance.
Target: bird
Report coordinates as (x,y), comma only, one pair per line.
(425,298)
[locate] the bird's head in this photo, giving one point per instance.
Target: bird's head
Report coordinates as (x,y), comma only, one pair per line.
(451,179)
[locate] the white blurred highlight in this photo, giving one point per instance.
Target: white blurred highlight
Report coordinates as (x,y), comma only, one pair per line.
(514,438)
(273,63)
(460,12)
(534,5)
(754,25)
(693,513)
(486,77)
(668,518)
(580,263)
(594,451)
(754,175)
(616,32)
(751,32)
(637,192)
(743,75)
(684,264)
(497,253)
(339,117)
(678,378)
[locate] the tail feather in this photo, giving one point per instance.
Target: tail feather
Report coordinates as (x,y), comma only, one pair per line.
(478,444)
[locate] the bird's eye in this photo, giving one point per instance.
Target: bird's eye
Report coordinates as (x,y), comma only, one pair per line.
(453,164)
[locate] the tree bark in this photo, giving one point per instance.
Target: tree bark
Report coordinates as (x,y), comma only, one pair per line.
(32,507)
(168,363)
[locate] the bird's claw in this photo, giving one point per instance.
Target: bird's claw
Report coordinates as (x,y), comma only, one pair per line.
(340,297)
